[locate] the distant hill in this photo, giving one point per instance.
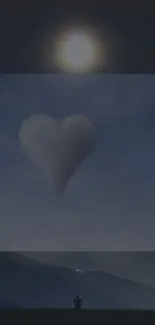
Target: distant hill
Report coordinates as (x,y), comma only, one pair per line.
(139,266)
(8,304)
(133,294)
(31,284)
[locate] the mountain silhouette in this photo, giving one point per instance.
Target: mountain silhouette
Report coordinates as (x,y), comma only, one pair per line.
(30,284)
(138,266)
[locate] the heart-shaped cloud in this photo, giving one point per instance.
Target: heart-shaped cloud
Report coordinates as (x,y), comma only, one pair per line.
(58,147)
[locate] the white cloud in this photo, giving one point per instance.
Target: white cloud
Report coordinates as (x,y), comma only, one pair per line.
(58,147)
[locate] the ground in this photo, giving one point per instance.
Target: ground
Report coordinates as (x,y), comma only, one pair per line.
(71,316)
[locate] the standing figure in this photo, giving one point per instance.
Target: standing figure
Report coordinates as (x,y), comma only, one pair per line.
(77,302)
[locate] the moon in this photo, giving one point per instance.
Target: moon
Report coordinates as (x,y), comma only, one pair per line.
(77,51)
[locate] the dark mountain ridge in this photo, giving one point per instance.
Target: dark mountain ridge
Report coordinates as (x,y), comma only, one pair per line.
(34,285)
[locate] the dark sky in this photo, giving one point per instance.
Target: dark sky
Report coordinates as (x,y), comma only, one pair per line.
(127,30)
(109,203)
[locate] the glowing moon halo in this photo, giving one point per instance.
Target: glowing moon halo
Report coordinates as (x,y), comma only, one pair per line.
(77,51)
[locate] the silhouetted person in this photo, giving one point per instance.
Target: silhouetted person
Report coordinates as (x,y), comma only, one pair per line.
(77,302)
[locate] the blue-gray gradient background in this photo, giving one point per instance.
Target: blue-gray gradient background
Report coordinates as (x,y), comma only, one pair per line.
(109,203)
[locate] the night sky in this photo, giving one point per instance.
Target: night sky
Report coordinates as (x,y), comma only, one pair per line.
(28,30)
(109,202)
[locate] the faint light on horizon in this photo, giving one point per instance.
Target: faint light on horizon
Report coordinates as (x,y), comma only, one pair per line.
(78,270)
